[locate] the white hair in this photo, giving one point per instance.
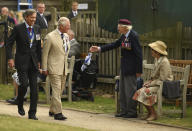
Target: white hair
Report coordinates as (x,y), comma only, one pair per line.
(128,27)
(63,21)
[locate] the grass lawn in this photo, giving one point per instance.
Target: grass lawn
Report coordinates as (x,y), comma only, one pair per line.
(11,123)
(104,105)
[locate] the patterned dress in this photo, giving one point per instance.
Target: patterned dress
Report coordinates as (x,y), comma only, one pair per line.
(161,72)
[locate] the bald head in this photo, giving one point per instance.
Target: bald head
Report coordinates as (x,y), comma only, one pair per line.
(4,11)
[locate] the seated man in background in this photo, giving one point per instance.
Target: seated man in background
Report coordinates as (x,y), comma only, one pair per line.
(75,46)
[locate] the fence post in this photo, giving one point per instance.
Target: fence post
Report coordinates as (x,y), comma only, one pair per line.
(178,43)
(53,22)
(3,38)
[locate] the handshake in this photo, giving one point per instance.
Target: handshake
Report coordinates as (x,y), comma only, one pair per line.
(94,49)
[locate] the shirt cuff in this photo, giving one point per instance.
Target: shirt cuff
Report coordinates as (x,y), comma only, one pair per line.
(99,48)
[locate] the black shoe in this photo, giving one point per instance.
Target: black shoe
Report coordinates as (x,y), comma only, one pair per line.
(21,111)
(120,115)
(13,101)
(130,116)
(59,116)
(33,117)
(51,114)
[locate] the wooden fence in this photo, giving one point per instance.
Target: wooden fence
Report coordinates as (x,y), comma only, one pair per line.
(178,39)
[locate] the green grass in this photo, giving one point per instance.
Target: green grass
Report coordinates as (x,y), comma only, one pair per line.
(10,123)
(6,92)
(100,105)
(174,119)
(105,105)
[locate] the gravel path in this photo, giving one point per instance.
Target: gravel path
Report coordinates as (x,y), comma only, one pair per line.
(101,122)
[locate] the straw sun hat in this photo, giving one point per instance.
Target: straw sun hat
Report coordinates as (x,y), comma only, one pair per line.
(159,46)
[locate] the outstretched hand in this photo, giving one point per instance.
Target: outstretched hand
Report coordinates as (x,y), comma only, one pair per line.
(94,49)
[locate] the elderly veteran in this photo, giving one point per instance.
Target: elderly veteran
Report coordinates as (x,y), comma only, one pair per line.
(147,95)
(131,66)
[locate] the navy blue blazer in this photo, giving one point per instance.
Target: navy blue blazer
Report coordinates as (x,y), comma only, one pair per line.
(131,59)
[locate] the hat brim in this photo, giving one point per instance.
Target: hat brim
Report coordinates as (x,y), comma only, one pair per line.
(152,45)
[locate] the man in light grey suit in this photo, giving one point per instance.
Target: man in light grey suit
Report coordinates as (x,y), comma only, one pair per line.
(75,49)
(54,64)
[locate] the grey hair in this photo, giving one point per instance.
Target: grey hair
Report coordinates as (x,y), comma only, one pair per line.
(63,21)
(70,32)
(128,27)
(28,12)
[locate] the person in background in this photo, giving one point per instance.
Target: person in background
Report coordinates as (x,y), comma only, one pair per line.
(41,20)
(10,22)
(5,12)
(16,85)
(74,10)
(131,66)
(12,15)
(147,95)
(75,46)
(54,64)
(27,59)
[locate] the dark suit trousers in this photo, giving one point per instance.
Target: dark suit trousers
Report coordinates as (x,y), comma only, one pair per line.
(28,78)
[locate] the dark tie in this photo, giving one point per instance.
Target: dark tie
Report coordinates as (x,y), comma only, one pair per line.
(30,29)
(62,36)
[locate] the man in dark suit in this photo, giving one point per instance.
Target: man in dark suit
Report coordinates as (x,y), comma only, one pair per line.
(27,59)
(41,20)
(131,66)
(74,12)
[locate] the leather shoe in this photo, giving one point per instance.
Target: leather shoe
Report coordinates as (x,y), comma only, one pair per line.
(59,116)
(21,111)
(33,117)
(130,116)
(13,101)
(120,115)
(51,114)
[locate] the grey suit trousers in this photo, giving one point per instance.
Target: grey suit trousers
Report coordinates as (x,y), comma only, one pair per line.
(127,89)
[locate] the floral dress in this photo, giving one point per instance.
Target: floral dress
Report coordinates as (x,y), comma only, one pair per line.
(161,72)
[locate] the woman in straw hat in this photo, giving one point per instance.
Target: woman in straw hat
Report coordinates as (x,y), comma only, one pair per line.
(147,95)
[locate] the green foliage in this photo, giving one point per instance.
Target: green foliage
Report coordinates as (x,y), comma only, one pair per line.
(10,123)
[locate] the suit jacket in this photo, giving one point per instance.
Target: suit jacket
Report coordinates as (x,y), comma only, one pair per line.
(40,21)
(74,49)
(54,57)
(131,60)
(70,15)
(24,53)
(162,71)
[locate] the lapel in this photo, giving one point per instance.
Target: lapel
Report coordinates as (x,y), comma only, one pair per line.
(157,66)
(25,33)
(26,36)
(66,38)
(41,19)
(58,41)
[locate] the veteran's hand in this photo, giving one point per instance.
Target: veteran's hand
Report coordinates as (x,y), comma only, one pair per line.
(94,49)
